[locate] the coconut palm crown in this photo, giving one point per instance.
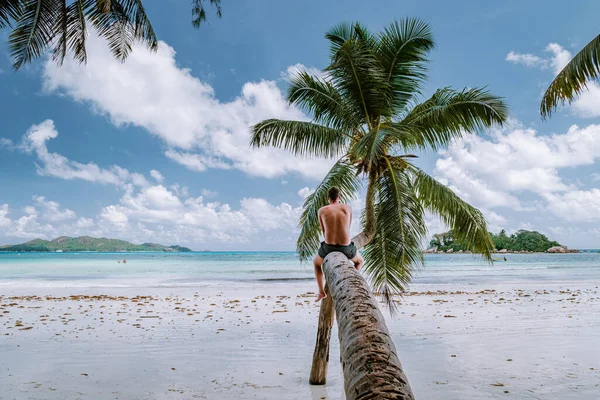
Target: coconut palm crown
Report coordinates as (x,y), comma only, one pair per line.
(571,80)
(63,24)
(365,116)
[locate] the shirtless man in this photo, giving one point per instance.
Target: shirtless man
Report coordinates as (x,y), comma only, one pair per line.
(335,222)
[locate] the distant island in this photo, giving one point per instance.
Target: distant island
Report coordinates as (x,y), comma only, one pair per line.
(88,243)
(522,241)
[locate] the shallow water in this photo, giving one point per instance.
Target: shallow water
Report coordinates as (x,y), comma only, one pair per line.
(191,269)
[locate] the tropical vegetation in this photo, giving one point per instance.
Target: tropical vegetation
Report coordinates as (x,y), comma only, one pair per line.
(37,25)
(87,243)
(522,240)
(572,80)
(368,116)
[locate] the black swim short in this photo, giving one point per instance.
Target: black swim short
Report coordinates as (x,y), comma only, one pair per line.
(348,250)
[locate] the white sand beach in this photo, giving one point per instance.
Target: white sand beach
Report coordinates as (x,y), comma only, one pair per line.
(256,341)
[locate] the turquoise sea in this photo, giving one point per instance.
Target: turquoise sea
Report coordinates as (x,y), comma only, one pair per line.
(191,269)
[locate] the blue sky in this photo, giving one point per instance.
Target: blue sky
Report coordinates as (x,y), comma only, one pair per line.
(80,142)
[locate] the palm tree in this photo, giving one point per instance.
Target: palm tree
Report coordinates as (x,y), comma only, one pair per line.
(366,116)
(571,80)
(61,24)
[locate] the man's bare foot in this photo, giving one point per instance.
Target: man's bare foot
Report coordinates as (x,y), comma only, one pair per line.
(320,297)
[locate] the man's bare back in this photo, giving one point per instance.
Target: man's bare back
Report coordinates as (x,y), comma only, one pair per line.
(335,220)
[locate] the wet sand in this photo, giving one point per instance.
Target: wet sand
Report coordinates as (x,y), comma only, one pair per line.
(255,341)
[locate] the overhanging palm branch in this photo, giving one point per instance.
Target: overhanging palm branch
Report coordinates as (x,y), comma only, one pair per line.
(571,80)
(400,228)
(342,175)
(466,222)
(61,25)
(9,11)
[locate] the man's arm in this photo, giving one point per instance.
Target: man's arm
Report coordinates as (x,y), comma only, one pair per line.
(321,222)
(350,220)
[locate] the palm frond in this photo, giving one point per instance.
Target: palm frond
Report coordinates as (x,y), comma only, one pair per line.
(61,32)
(76,30)
(299,137)
(321,99)
(449,114)
(571,80)
(34,31)
(403,48)
(122,25)
(466,222)
(395,251)
(357,73)
(199,12)
(342,175)
(369,149)
(10,10)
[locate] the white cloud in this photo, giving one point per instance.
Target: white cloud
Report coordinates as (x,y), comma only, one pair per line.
(526,59)
(59,166)
(84,223)
(4,219)
(196,162)
(157,213)
(209,193)
(305,192)
(28,227)
(152,92)
(491,172)
(560,57)
(296,68)
(577,205)
(157,176)
(52,211)
(6,143)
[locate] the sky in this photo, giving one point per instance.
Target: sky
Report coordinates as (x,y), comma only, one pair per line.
(156,149)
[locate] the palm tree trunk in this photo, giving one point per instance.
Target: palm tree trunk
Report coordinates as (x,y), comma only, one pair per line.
(372,369)
(318,372)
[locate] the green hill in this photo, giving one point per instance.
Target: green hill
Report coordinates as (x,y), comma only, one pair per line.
(88,243)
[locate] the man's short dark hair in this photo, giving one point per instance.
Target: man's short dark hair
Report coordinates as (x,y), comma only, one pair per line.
(334,193)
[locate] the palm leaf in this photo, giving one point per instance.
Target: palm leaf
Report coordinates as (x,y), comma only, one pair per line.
(34,31)
(356,72)
(403,48)
(395,251)
(466,222)
(342,175)
(323,100)
(449,114)
(199,12)
(571,80)
(61,31)
(10,10)
(299,137)
(76,30)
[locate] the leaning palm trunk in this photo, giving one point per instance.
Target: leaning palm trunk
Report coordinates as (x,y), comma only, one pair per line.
(371,366)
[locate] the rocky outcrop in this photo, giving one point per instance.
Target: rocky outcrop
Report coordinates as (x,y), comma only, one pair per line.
(561,249)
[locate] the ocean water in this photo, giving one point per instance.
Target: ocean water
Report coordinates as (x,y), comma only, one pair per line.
(153,269)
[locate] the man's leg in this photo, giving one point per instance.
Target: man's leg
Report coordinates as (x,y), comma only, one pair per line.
(319,275)
(358,261)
